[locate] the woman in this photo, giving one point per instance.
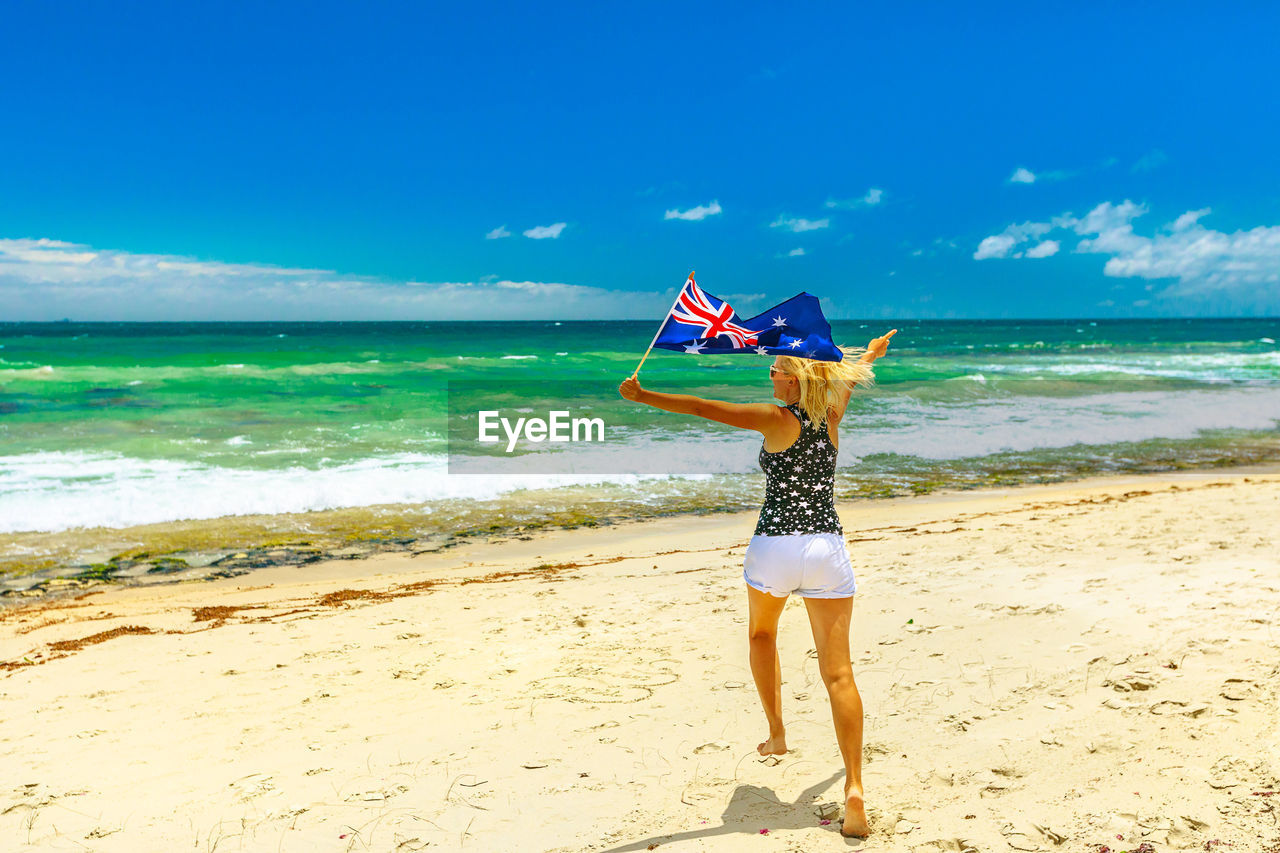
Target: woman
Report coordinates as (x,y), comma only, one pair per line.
(798,544)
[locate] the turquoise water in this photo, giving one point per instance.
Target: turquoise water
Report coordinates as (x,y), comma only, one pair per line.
(114,424)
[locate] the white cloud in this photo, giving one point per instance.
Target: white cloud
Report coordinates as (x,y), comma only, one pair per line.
(995,246)
(1153,159)
(1202,261)
(797,225)
(545,232)
(1042,250)
(1023,175)
(742,302)
(999,245)
(1106,219)
(694,214)
(498,233)
(54,253)
(871,199)
(55,261)
(50,279)
(1186,220)
(1234,272)
(795,253)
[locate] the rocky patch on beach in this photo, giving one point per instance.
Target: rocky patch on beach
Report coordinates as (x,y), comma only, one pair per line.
(142,568)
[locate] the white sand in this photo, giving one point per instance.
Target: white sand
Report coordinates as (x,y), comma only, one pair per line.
(1049,667)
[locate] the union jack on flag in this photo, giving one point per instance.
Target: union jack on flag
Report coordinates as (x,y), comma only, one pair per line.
(711,316)
(701,323)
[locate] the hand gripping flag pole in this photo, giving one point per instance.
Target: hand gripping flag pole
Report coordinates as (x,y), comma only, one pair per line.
(661,326)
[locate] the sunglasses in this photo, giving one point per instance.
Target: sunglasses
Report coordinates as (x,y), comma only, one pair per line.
(774,371)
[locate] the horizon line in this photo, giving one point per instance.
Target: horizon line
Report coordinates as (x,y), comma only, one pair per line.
(68,321)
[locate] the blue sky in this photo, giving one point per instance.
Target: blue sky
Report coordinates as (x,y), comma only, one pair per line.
(321,161)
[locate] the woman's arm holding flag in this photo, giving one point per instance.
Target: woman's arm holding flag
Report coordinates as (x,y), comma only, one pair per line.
(761,417)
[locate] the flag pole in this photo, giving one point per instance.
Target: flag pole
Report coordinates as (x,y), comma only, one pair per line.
(665,317)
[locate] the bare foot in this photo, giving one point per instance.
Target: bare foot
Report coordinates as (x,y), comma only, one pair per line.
(775,745)
(855,817)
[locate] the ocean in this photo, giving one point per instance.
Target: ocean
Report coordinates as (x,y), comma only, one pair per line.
(105,426)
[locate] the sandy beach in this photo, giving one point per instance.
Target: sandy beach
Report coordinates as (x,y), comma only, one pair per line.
(1083,666)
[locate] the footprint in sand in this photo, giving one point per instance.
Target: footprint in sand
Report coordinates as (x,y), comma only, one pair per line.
(1020,838)
(376,796)
(713,746)
(251,787)
(1140,679)
(1166,707)
(1238,689)
(949,845)
(1228,772)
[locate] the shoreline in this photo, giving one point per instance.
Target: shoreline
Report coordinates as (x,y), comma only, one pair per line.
(235,546)
(557,549)
(1069,661)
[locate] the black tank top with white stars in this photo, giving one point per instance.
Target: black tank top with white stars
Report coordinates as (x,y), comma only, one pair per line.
(799,495)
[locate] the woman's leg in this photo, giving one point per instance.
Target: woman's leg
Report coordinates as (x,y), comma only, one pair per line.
(830,619)
(766,669)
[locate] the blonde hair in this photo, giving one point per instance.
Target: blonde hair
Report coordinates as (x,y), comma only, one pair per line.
(822,383)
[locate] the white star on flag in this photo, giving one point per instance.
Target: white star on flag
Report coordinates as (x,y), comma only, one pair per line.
(695,348)
(779,321)
(797,342)
(761,351)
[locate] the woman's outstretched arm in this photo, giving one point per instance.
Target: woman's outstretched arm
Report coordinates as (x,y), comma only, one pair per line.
(761,417)
(875,349)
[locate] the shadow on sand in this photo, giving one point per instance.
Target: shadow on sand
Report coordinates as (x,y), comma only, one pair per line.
(751,809)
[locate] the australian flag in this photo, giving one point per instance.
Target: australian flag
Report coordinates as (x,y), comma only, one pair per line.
(699,322)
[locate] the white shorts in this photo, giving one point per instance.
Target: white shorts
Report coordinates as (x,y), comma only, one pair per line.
(813,565)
